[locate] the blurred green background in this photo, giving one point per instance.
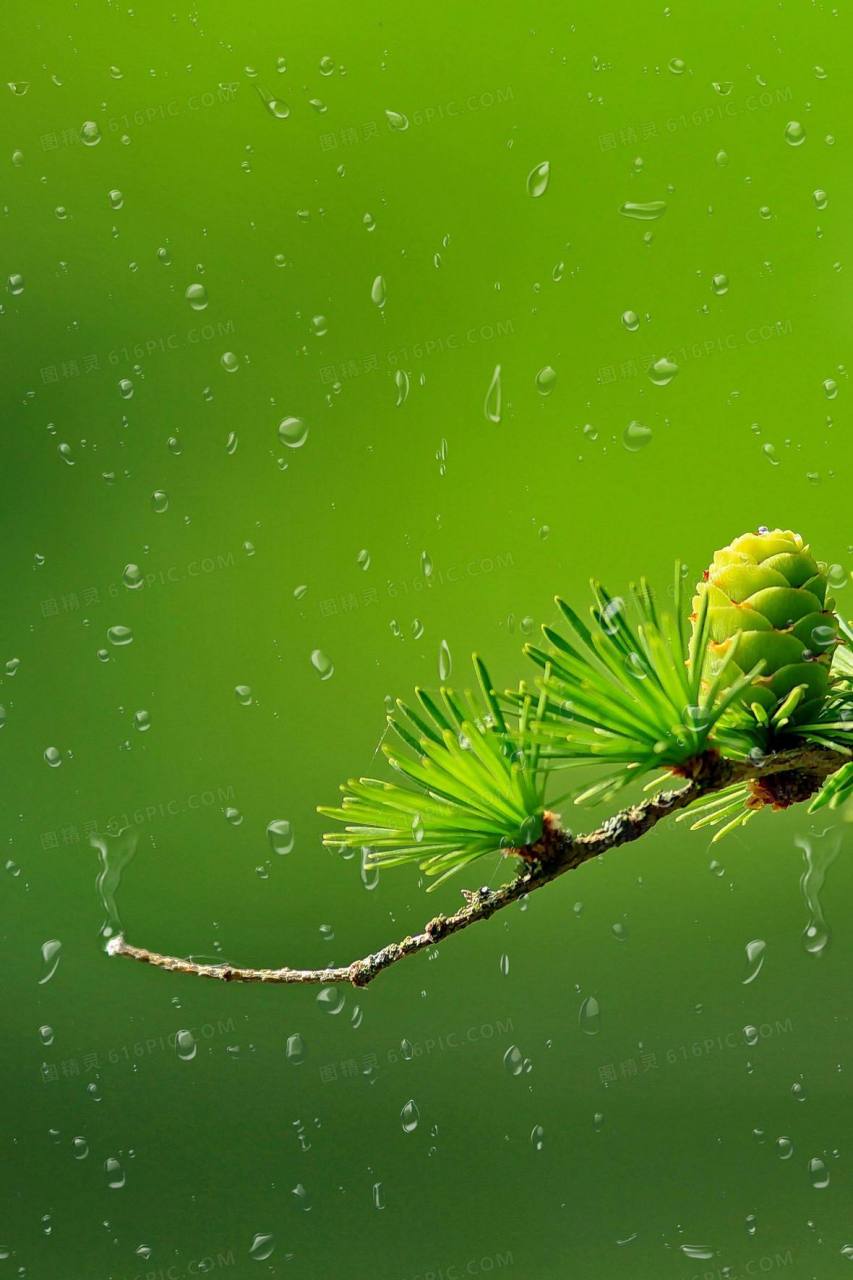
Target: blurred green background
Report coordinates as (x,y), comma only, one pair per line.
(407,229)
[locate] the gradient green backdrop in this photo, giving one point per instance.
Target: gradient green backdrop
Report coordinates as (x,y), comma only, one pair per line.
(249,150)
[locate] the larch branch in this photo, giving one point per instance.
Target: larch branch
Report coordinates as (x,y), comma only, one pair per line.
(554,853)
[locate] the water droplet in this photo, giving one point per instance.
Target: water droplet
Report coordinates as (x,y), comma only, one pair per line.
(794,133)
(698,1252)
(292,432)
(142,721)
(589,1017)
(647,212)
(663,371)
(445,661)
(234,816)
(196,296)
(538,179)
(331,1000)
(295,1049)
(46,1034)
(115,1174)
(514,1060)
(132,577)
(750,1034)
(537,1137)
(378,1196)
(53,757)
(546,379)
(363,559)
(770,454)
(16,283)
(280,835)
(819,852)
(426,564)
(262,1247)
(125,388)
(401,382)
(821,199)
(636,436)
(830,388)
(322,664)
(116,199)
(631,321)
(159,502)
(410,1116)
(720,283)
(185,1045)
(120,636)
(243,694)
(677,66)
(784,1147)
(755,952)
(79,1148)
(278,109)
(397,121)
(90,134)
(377,291)
(229,362)
(492,404)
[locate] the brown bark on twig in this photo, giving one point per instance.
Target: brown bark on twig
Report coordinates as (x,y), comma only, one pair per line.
(556,852)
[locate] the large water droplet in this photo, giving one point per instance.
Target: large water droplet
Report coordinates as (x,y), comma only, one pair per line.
(514,1060)
(795,134)
(120,636)
(377,291)
(292,432)
(90,134)
(115,1173)
(397,120)
(819,852)
(538,179)
(537,1137)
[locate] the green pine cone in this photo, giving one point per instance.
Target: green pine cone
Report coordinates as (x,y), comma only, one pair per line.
(766,588)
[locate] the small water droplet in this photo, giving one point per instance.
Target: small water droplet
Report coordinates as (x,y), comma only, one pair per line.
(53,757)
(196,296)
(647,212)
(401,382)
(90,134)
(720,283)
(132,577)
(663,371)
(636,436)
(159,502)
(445,661)
(120,636)
(185,1045)
(514,1060)
(295,1049)
(410,1116)
(546,380)
(795,134)
(262,1247)
(492,403)
(755,953)
(280,835)
(16,283)
(589,1017)
(322,664)
(537,1137)
(377,291)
